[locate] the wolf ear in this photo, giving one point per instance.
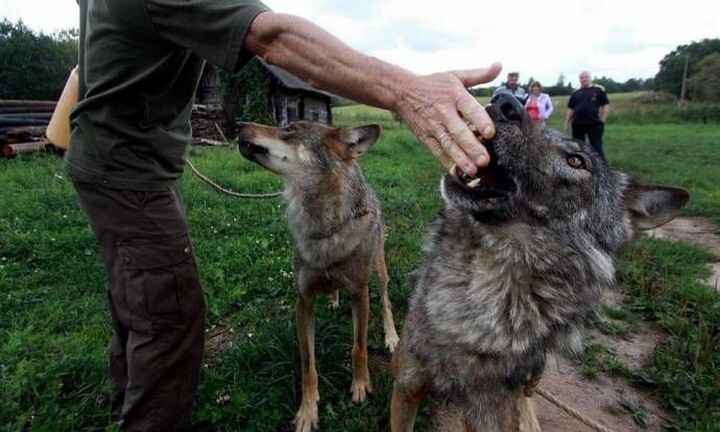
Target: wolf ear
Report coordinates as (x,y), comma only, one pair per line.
(653,205)
(359,139)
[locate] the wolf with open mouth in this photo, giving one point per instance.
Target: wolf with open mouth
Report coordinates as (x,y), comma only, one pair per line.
(513,266)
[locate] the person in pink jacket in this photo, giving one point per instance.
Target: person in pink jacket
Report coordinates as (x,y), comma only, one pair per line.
(538,104)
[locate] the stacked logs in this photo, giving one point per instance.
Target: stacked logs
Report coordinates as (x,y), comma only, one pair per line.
(207,124)
(23,124)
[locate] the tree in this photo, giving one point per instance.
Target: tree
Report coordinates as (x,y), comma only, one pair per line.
(704,85)
(246,95)
(34,66)
(634,84)
(610,85)
(670,76)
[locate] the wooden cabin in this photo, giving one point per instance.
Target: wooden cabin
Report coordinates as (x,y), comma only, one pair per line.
(289,98)
(293,99)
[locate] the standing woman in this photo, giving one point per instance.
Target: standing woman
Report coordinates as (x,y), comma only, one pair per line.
(538,104)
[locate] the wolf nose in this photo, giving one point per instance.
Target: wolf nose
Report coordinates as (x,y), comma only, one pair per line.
(239,126)
(505,107)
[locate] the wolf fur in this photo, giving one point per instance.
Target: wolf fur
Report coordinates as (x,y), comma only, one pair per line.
(337,224)
(513,266)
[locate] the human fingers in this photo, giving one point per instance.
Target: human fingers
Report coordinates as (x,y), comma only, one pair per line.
(461,143)
(473,77)
(436,148)
(477,122)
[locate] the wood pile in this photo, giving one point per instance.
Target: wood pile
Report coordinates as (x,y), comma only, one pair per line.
(22,126)
(208,124)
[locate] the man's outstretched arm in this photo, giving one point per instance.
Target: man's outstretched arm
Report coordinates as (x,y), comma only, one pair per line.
(437,108)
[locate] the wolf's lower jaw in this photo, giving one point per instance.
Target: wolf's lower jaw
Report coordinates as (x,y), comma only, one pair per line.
(470,181)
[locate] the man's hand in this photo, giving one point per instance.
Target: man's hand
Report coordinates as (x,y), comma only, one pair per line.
(440,111)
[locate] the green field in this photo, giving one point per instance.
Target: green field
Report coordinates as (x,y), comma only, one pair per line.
(54,332)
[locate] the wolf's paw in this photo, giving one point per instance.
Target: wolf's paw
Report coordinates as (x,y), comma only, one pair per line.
(334,300)
(391,340)
(306,419)
(360,390)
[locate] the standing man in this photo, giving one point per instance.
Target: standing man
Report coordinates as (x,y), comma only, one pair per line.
(139,65)
(588,109)
(512,87)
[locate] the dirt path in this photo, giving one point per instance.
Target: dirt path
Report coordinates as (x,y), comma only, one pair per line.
(599,399)
(699,231)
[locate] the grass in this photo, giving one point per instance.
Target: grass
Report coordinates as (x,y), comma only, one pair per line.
(53,338)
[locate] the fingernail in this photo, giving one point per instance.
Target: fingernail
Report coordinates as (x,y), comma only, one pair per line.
(482,160)
(469,169)
(488,132)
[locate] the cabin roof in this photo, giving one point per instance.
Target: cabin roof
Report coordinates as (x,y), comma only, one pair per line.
(290,81)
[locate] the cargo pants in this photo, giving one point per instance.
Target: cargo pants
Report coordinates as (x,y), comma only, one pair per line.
(156,304)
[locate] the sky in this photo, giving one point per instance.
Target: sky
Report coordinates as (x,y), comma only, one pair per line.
(544,40)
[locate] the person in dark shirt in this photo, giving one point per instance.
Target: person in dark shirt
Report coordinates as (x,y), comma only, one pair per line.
(512,87)
(139,65)
(588,108)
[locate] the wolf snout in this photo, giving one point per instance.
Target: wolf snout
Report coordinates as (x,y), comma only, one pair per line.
(241,128)
(504,108)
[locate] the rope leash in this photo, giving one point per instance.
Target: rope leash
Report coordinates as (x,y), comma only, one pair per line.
(228,191)
(572,411)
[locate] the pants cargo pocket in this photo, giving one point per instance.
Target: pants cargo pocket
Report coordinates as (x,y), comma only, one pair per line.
(162,285)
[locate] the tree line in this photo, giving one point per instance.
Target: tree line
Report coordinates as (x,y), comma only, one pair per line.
(561,87)
(697,65)
(34,65)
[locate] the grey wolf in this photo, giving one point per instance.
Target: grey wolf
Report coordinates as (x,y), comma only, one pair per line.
(513,266)
(336,221)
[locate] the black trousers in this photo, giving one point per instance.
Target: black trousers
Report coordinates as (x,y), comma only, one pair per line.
(594,133)
(156,302)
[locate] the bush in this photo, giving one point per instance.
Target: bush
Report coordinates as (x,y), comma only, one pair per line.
(669,113)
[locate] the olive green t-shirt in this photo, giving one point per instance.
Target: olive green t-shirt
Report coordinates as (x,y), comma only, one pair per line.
(139,66)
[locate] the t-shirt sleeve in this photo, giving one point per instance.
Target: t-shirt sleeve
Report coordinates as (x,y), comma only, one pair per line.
(212,29)
(603,99)
(571,101)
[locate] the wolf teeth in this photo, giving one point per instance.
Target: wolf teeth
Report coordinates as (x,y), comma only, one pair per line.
(474,183)
(469,181)
(453,170)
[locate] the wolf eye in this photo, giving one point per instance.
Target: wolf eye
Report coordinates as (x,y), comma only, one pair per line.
(576,161)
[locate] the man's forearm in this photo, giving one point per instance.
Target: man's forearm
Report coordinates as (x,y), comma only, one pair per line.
(324,61)
(437,108)
(568,117)
(604,111)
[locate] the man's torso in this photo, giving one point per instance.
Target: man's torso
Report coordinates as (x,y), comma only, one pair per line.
(140,62)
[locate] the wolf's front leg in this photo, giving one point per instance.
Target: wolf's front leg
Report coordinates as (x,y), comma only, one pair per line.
(306,418)
(361,375)
(403,407)
(391,336)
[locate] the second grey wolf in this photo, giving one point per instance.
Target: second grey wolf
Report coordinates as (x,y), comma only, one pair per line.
(337,224)
(513,266)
